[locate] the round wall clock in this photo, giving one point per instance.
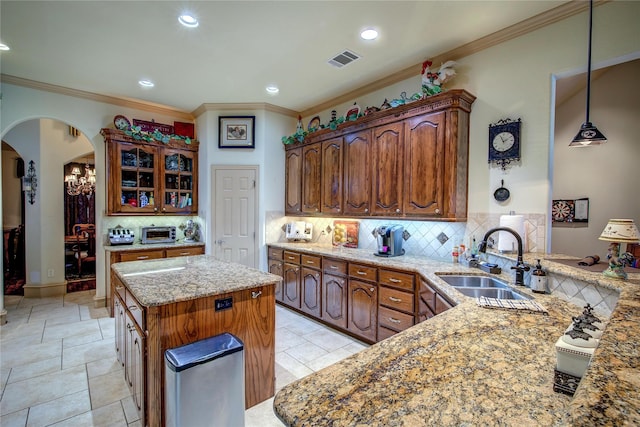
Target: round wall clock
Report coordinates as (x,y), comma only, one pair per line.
(121,122)
(504,142)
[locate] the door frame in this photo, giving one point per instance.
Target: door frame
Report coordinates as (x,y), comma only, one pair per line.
(256,219)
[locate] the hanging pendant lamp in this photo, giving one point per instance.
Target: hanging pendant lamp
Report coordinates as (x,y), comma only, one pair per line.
(588,134)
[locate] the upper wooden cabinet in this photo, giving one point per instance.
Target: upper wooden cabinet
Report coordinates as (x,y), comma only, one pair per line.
(293,181)
(150,177)
(405,162)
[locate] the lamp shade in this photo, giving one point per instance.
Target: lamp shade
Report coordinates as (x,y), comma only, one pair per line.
(620,230)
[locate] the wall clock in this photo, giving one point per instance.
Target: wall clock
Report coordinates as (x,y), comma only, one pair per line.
(504,142)
(121,122)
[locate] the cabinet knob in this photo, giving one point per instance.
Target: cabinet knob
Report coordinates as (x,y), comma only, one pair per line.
(338,210)
(397,210)
(437,211)
(255,294)
(155,209)
(366,210)
(372,289)
(164,209)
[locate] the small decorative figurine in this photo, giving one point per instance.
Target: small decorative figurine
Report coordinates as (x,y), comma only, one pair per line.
(432,81)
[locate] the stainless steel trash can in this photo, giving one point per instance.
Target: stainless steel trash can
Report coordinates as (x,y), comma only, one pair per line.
(204,383)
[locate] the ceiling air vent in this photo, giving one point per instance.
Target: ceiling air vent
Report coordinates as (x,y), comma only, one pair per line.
(343,58)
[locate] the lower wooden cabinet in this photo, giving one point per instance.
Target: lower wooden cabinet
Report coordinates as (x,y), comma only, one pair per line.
(365,301)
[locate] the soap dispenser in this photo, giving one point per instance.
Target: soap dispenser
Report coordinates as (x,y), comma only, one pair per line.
(539,279)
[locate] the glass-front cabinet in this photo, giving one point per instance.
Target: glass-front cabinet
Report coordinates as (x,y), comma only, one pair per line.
(148,178)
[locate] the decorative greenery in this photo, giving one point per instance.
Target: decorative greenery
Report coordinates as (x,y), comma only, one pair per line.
(301,134)
(136,132)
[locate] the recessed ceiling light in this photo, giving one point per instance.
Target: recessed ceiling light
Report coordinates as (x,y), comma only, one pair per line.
(369,34)
(188,20)
(4,46)
(273,89)
(146,83)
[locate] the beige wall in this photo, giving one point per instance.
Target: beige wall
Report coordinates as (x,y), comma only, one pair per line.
(607,174)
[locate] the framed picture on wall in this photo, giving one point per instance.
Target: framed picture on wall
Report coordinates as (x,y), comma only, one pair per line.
(236,132)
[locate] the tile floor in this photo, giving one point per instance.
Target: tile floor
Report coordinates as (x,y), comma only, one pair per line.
(58,365)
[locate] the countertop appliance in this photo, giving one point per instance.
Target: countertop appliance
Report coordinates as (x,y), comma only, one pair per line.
(390,238)
(299,230)
(157,234)
(121,236)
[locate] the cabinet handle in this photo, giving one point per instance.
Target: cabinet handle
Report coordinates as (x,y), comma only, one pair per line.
(362,273)
(393,320)
(255,294)
(184,253)
(119,287)
(291,257)
(333,267)
(309,261)
(394,299)
(392,280)
(132,307)
(143,257)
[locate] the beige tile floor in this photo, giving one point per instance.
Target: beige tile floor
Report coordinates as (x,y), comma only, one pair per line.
(58,365)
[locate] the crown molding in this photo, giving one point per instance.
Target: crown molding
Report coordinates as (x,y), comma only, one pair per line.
(122,102)
(243,106)
(534,23)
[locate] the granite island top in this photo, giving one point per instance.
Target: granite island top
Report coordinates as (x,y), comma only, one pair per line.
(475,366)
(168,280)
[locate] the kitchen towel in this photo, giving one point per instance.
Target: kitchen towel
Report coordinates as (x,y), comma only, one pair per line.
(506,241)
(511,304)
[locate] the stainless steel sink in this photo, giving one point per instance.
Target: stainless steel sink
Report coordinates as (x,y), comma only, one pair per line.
(482,286)
(474,282)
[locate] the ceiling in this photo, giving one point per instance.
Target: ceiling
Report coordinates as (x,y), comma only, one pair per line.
(240,47)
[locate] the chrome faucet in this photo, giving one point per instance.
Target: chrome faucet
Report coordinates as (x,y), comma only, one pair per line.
(520,266)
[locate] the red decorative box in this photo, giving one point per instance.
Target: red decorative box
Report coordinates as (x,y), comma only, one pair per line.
(152,126)
(184,129)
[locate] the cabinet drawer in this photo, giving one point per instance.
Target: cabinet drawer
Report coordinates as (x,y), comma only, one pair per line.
(396,279)
(384,333)
(310,261)
(393,319)
(334,266)
(120,290)
(141,255)
(275,253)
(135,309)
(363,272)
(396,299)
(292,257)
(185,251)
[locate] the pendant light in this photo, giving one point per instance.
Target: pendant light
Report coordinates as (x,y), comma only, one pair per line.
(588,134)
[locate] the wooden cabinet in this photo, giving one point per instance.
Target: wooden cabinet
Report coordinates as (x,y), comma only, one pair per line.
(331,176)
(293,181)
(396,302)
(276,267)
(310,291)
(363,309)
(120,328)
(311,175)
(291,279)
(405,162)
(357,175)
(387,169)
(430,301)
(150,177)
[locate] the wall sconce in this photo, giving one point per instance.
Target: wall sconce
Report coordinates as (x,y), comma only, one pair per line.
(30,183)
(619,231)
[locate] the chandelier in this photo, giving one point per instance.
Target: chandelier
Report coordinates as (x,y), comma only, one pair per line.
(77,184)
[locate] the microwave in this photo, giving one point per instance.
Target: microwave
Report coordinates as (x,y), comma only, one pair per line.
(154,234)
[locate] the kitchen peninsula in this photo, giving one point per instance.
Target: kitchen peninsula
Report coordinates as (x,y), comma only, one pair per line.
(165,303)
(475,366)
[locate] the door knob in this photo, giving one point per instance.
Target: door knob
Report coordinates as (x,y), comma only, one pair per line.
(219,242)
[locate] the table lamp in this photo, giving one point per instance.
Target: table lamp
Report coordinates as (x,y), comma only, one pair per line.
(619,231)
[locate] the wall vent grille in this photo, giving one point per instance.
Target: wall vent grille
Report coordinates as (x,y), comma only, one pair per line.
(343,58)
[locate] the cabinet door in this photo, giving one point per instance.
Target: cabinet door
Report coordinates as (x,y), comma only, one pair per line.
(293,181)
(291,285)
(357,173)
(331,186)
(179,191)
(120,328)
(334,300)
(387,169)
(310,291)
(424,165)
(275,267)
(363,309)
(134,366)
(311,174)
(134,178)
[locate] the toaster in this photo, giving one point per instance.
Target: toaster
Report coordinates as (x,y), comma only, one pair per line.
(120,236)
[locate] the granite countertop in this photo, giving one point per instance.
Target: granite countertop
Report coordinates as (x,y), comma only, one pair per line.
(473,365)
(139,246)
(168,280)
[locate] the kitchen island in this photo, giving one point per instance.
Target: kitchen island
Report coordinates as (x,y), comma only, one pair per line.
(166,303)
(475,366)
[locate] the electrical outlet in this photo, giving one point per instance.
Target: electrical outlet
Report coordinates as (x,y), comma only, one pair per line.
(50,272)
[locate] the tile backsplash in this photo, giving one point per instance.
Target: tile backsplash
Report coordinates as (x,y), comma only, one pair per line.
(426,236)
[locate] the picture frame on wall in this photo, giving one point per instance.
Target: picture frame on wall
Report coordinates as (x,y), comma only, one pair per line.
(236,131)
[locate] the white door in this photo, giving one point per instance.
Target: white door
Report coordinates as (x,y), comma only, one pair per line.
(234,214)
